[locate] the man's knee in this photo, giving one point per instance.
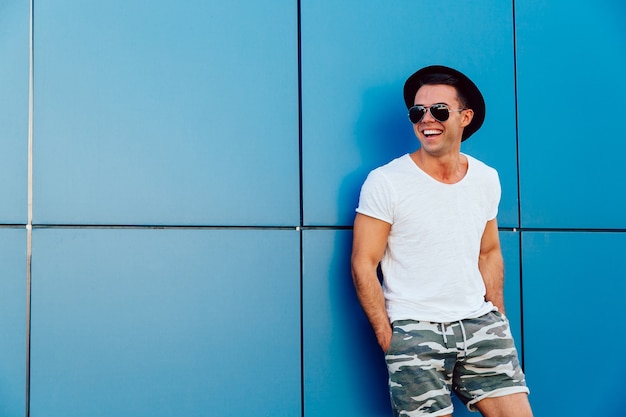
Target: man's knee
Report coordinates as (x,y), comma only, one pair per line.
(513,405)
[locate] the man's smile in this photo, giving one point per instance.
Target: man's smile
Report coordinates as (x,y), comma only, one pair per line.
(431,132)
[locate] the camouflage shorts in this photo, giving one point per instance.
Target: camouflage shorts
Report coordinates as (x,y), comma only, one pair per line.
(476,358)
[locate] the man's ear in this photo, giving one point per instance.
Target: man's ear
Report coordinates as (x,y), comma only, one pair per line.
(468,115)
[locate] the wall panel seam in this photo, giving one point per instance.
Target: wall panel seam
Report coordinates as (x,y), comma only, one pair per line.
(29,221)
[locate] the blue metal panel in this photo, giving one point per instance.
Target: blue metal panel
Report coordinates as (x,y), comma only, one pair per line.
(512,284)
(166,113)
(14,50)
(344,370)
(356,56)
(571,57)
(573,307)
(165,323)
(12,322)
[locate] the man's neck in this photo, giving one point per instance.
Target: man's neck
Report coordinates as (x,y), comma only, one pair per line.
(448,169)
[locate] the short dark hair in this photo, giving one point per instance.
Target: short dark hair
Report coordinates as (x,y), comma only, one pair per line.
(445,79)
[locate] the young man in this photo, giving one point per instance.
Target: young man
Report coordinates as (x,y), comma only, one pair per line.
(429,219)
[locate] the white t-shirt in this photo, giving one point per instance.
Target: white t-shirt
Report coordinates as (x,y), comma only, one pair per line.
(430,266)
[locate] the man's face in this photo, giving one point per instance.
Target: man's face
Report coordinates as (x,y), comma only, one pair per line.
(439,138)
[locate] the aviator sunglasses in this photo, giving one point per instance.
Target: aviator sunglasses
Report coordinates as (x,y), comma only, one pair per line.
(440,112)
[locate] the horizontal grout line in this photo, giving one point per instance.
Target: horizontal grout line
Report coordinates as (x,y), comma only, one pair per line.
(289,227)
(318,227)
(559,230)
(161,227)
(174,227)
(13,226)
(186,227)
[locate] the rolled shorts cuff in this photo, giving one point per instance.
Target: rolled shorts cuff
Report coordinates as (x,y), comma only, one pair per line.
(444,412)
(500,392)
(419,413)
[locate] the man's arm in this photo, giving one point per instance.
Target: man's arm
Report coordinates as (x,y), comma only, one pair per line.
(491,265)
(368,247)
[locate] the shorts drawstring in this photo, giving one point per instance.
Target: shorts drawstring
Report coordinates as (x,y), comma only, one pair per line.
(443,331)
(464,337)
(445,337)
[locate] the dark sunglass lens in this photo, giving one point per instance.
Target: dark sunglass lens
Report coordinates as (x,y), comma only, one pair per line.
(440,112)
(416,113)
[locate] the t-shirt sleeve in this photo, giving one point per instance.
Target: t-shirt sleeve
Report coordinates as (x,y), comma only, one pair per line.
(377,197)
(495,194)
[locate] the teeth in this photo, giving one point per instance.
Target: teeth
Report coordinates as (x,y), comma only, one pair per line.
(432,132)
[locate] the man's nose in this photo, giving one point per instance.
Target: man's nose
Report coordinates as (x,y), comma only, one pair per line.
(428,116)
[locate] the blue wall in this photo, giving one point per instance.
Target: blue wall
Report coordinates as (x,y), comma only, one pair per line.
(195,168)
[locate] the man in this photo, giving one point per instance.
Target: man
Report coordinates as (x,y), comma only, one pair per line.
(429,220)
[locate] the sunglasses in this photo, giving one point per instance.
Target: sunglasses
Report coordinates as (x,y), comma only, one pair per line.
(440,112)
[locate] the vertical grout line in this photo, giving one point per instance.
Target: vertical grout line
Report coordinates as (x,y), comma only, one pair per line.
(519,188)
(302,392)
(515,92)
(520,241)
(300,143)
(29,224)
(300,229)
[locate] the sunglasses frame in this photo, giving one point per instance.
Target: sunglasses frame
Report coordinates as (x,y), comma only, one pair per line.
(425,109)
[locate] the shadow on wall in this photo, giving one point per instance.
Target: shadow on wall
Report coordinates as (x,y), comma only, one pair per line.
(381,134)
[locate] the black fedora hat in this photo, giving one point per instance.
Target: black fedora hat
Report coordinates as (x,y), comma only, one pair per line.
(466,87)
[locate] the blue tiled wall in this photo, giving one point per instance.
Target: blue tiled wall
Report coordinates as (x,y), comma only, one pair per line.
(165,322)
(195,168)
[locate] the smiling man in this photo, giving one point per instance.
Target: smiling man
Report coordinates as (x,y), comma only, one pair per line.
(429,220)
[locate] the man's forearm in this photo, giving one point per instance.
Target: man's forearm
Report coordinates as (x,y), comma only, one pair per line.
(370,295)
(491,267)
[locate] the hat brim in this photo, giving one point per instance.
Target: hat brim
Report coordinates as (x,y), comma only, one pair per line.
(475,99)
